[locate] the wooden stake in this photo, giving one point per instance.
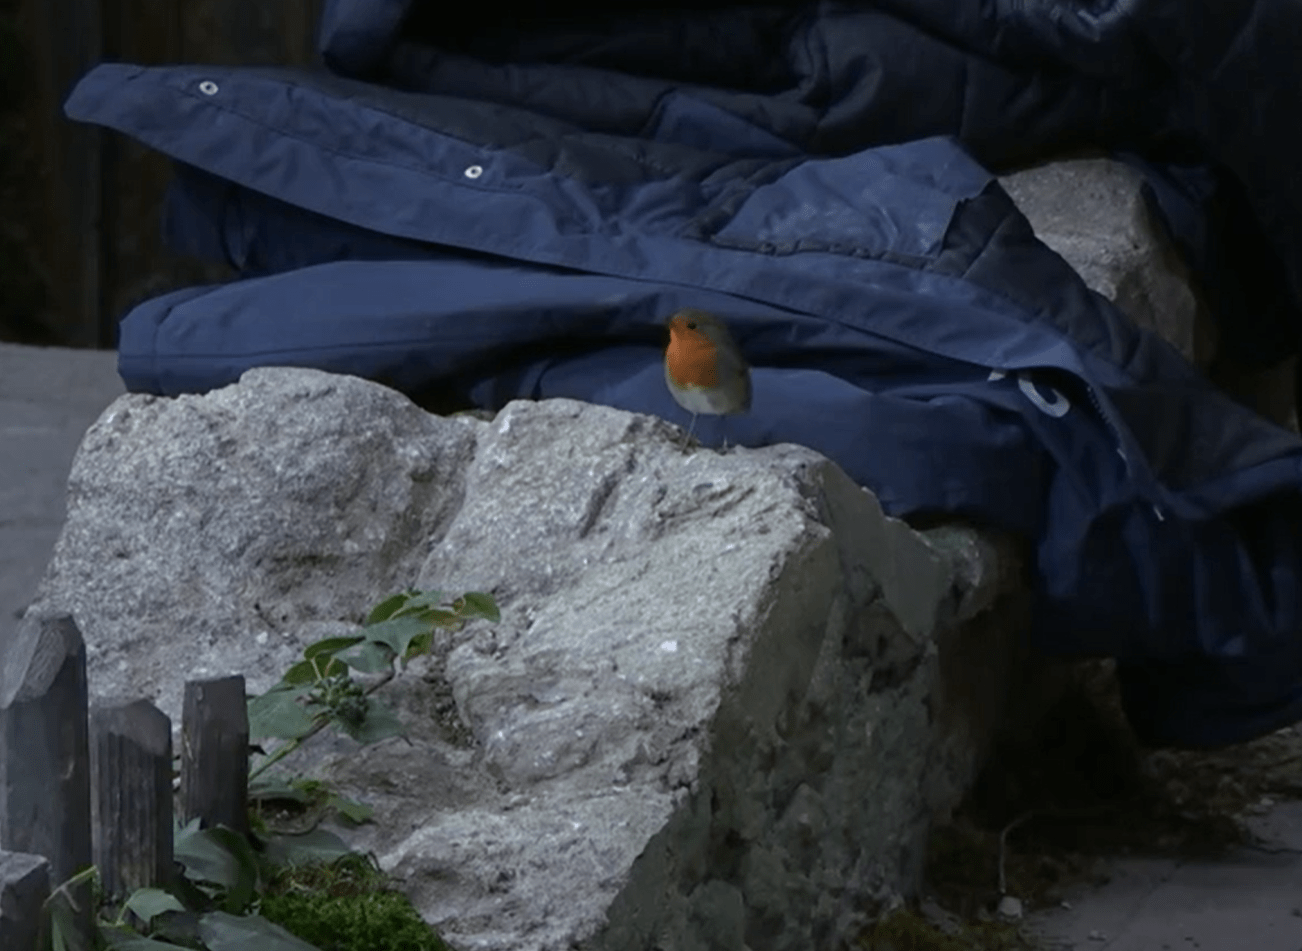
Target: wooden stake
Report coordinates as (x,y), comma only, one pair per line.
(44,752)
(24,886)
(131,762)
(215,753)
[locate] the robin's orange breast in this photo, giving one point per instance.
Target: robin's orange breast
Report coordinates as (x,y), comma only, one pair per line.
(691,358)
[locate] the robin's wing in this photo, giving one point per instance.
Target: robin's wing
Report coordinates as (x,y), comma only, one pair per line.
(732,368)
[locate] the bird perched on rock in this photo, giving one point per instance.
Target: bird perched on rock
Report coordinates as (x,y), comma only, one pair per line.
(704,368)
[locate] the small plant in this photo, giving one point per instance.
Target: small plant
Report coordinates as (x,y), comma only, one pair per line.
(320,691)
(303,891)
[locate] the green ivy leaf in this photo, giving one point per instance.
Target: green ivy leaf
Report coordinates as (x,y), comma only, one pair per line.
(396,633)
(271,788)
(123,938)
(329,646)
(224,932)
(148,903)
(369,658)
(438,617)
(303,672)
(204,857)
(352,810)
(240,893)
(417,600)
(278,714)
(313,788)
(380,723)
(65,935)
(317,845)
(420,644)
(477,604)
(386,608)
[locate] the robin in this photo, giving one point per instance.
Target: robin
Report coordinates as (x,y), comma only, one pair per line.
(704,368)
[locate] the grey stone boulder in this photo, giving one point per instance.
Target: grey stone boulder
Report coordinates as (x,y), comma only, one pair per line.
(1092,212)
(725,701)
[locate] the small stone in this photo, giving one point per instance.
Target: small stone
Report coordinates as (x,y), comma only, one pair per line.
(1064,905)
(939,918)
(1010,907)
(1097,935)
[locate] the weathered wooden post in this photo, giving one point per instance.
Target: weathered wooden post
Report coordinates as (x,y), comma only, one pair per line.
(215,753)
(131,810)
(44,753)
(24,886)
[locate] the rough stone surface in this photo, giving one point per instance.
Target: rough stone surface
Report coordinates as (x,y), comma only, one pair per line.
(725,699)
(1092,212)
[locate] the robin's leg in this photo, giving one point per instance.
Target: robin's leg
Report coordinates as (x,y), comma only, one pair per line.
(726,445)
(688,437)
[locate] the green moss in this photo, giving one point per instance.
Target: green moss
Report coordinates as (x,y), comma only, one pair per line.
(348,905)
(380,921)
(906,930)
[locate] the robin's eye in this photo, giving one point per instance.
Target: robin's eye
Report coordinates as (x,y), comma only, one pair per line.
(691,325)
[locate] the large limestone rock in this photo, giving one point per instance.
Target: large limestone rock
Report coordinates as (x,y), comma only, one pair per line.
(725,700)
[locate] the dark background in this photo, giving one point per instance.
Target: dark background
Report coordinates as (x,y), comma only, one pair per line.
(80,207)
